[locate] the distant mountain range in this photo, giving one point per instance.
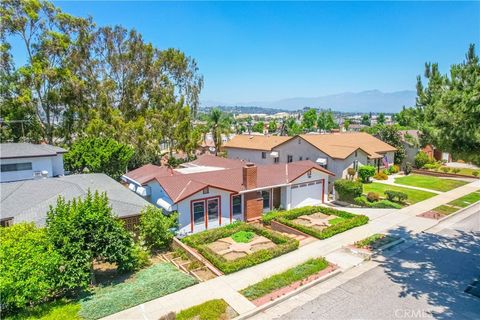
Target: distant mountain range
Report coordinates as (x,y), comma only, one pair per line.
(365,101)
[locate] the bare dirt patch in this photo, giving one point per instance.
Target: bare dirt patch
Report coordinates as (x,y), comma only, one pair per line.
(431,215)
(231,250)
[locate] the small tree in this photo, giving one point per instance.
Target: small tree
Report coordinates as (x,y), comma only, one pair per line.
(365,173)
(475,173)
(351,173)
(348,190)
(84,231)
(408,168)
(421,159)
(29,266)
(155,228)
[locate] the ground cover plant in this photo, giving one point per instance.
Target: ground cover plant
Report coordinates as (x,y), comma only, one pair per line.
(210,310)
(466,200)
(202,241)
(445,209)
(374,241)
(291,219)
(284,279)
(414,195)
(243,236)
(430,182)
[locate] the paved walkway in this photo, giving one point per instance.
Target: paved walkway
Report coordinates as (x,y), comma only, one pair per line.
(400,222)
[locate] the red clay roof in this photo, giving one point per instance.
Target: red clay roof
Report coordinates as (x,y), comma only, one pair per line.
(214,161)
(182,186)
(149,172)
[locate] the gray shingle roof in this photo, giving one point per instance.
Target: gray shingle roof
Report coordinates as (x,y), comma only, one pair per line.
(26,150)
(30,200)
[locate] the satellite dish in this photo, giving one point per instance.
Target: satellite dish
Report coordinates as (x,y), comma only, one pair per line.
(212,149)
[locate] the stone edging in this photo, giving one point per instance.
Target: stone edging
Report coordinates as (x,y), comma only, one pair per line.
(280,227)
(442,174)
(288,295)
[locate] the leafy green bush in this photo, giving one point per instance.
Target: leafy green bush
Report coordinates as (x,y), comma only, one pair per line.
(431,166)
(155,228)
(60,309)
(284,279)
(210,310)
(475,173)
(365,173)
(147,284)
(373,196)
(380,176)
(268,217)
(84,230)
(394,169)
(421,159)
(98,154)
(29,267)
(392,195)
(445,169)
(383,204)
(348,190)
(408,168)
(200,241)
(456,170)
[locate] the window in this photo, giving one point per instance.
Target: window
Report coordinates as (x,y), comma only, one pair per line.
(206,191)
(213,209)
(266,199)
(16,167)
(7,222)
(309,174)
(199,212)
(289,158)
(356,153)
(275,160)
(264,155)
(300,158)
(307,158)
(299,141)
(237,204)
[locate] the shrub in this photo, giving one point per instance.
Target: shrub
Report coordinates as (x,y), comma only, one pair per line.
(445,169)
(155,228)
(380,176)
(200,241)
(210,310)
(430,166)
(29,267)
(421,159)
(366,172)
(392,195)
(475,173)
(363,202)
(351,172)
(456,170)
(373,196)
(408,168)
(394,169)
(348,190)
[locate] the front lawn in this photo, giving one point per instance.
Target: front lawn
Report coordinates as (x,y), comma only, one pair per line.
(465,171)
(211,310)
(319,222)
(430,182)
(466,200)
(232,248)
(284,279)
(414,195)
(445,209)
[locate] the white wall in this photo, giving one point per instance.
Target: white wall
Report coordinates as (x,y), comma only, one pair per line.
(249,155)
(57,165)
(38,164)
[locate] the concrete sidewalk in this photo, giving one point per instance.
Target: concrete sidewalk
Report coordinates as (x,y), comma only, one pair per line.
(402,222)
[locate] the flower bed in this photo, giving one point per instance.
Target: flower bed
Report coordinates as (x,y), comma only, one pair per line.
(374,242)
(285,282)
(216,309)
(291,219)
(276,245)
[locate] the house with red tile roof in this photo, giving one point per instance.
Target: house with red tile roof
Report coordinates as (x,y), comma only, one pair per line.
(213,191)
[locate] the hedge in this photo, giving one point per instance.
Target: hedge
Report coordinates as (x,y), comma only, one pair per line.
(391,195)
(200,241)
(348,190)
(351,221)
(363,202)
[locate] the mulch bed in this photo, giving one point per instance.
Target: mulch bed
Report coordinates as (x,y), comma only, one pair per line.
(292,287)
(431,215)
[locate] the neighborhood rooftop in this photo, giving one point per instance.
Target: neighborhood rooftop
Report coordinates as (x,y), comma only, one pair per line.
(260,142)
(28,150)
(29,200)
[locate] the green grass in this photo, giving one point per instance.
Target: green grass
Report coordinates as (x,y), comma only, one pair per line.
(62,309)
(147,284)
(465,171)
(370,240)
(334,221)
(430,182)
(446,210)
(414,196)
(243,236)
(284,279)
(210,310)
(466,200)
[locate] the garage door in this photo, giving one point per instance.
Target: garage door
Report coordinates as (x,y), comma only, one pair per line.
(306,194)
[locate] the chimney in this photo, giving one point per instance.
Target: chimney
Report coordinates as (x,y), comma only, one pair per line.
(250,176)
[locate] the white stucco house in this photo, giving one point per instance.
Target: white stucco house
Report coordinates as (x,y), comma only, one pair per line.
(214,191)
(23,161)
(335,152)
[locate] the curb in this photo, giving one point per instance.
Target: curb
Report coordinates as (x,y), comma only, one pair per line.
(452,215)
(287,296)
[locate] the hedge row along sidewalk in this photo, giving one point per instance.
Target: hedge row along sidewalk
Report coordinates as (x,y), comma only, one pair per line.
(200,241)
(290,277)
(286,217)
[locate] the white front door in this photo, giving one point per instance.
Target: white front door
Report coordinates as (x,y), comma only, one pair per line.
(306,194)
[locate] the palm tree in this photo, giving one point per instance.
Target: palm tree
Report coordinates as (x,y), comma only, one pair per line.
(219,124)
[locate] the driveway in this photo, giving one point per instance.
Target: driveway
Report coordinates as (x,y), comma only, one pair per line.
(425,281)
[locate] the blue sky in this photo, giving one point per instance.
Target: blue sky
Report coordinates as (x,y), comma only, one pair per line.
(251,51)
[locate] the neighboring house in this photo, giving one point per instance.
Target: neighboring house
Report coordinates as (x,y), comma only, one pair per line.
(334,151)
(411,143)
(23,161)
(29,200)
(214,191)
